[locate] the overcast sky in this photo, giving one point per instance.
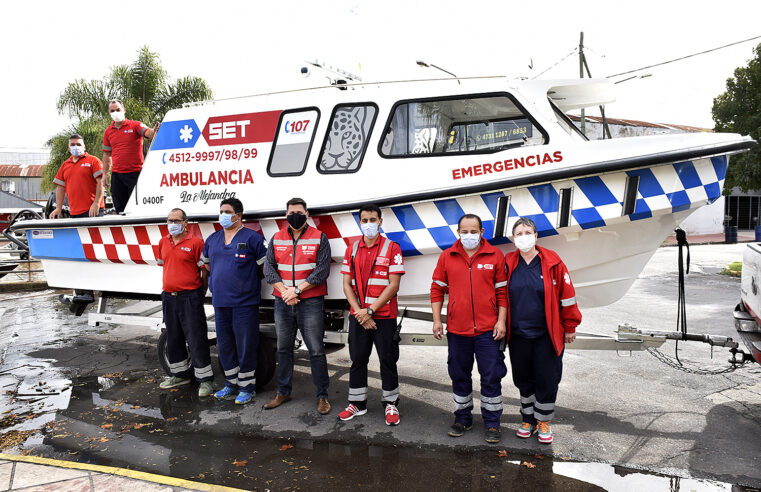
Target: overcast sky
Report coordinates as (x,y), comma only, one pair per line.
(242,48)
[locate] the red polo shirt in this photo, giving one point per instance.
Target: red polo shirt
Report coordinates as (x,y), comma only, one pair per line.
(364,261)
(79,181)
(126,146)
(182,263)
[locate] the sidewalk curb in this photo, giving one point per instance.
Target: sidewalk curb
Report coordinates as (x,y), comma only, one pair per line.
(124,472)
(23,286)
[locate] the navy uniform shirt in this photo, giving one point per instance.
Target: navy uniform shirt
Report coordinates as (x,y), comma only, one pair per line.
(233,274)
(526,291)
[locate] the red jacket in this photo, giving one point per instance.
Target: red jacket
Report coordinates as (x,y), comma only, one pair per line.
(476,287)
(560,308)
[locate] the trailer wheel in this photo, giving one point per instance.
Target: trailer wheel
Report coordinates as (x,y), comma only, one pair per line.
(266,362)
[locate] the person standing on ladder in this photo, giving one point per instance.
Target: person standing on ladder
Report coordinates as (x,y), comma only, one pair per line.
(182,296)
(372,268)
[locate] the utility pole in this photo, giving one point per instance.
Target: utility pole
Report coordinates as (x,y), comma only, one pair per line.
(581,76)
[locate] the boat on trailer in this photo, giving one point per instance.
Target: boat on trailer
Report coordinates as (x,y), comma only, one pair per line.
(427,152)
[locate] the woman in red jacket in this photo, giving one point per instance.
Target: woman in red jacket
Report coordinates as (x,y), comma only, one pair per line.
(472,273)
(542,317)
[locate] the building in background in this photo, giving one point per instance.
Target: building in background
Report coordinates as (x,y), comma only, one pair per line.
(21,172)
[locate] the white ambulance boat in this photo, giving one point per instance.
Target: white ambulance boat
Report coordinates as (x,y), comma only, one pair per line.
(427,152)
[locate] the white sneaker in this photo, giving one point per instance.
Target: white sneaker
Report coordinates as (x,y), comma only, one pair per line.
(351,412)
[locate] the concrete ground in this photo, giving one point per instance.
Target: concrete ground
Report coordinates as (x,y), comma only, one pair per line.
(631,411)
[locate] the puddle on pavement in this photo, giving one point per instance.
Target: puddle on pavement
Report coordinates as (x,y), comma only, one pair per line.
(107,422)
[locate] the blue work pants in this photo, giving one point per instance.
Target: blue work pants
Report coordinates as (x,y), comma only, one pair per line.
(491,367)
(238,344)
(185,322)
(537,370)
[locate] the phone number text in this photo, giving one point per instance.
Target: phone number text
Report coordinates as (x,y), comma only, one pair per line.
(211,155)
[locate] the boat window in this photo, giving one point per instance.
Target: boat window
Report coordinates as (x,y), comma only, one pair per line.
(481,124)
(293,141)
(347,138)
(566,122)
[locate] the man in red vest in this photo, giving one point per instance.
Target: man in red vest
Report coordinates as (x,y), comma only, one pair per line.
(297,266)
(372,268)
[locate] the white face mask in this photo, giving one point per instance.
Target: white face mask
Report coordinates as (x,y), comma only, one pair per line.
(369,229)
(470,241)
(175,229)
(525,242)
(76,150)
(117,116)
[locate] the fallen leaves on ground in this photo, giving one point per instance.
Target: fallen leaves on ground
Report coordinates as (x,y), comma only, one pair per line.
(106,426)
(285,447)
(528,465)
(175,390)
(13,438)
(539,456)
(502,454)
(240,463)
(171,419)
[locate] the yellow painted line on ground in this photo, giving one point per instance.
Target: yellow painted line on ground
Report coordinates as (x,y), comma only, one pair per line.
(124,472)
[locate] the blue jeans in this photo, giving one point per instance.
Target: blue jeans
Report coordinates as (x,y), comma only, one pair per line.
(307,317)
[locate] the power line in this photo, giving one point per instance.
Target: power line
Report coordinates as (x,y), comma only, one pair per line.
(684,57)
(555,64)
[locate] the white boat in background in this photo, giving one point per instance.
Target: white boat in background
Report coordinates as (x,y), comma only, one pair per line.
(425,151)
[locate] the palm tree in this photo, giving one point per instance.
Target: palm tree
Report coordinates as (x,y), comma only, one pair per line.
(147,93)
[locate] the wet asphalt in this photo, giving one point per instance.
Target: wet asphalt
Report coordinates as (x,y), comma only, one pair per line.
(91,394)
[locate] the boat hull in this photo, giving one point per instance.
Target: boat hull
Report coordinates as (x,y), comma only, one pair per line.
(604,249)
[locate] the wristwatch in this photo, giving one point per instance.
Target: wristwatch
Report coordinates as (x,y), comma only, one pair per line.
(370,311)
(297,291)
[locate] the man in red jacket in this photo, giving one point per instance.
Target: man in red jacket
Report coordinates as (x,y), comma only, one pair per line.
(472,273)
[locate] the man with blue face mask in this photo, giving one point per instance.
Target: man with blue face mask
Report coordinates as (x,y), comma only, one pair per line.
(372,269)
(184,288)
(234,256)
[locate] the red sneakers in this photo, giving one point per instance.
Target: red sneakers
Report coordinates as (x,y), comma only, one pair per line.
(392,415)
(351,412)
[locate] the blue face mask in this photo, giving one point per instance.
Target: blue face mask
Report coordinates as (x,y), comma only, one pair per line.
(226,220)
(175,229)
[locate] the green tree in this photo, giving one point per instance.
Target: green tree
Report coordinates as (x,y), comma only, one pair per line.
(147,93)
(738,110)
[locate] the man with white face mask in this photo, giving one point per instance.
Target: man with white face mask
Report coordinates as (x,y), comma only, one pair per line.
(182,296)
(372,268)
(472,273)
(81,179)
(123,153)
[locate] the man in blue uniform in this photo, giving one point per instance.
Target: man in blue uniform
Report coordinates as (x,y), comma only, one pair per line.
(234,256)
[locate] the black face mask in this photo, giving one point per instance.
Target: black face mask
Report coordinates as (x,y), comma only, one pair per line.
(296,220)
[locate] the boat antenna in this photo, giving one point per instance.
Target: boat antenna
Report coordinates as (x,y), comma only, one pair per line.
(421,63)
(329,69)
(582,66)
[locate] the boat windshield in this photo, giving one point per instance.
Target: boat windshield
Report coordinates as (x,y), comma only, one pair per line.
(473,124)
(565,122)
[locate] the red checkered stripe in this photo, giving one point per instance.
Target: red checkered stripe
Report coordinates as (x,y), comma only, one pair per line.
(139,244)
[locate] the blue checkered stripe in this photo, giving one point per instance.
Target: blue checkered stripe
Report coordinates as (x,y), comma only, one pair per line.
(597,201)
